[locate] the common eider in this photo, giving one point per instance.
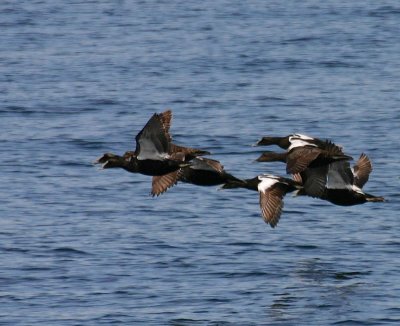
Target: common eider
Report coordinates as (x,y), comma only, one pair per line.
(303,152)
(285,142)
(201,172)
(338,183)
(154,155)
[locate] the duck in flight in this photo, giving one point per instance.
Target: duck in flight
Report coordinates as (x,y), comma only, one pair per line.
(302,152)
(201,172)
(272,189)
(285,142)
(319,167)
(154,155)
(338,183)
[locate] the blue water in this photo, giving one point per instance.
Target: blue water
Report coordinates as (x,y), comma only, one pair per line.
(80,246)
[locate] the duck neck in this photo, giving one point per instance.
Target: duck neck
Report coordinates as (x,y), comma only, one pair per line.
(272,157)
(282,142)
(121,162)
(251,184)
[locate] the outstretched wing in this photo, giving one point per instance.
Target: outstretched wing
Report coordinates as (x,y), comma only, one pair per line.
(362,170)
(271,204)
(166,118)
(152,141)
(161,184)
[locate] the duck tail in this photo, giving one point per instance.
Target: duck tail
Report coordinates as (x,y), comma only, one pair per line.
(299,191)
(336,152)
(374,199)
(184,164)
(233,179)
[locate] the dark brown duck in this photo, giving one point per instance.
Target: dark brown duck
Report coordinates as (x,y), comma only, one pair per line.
(154,155)
(338,183)
(201,172)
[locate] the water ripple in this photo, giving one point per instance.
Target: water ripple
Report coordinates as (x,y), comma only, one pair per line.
(85,247)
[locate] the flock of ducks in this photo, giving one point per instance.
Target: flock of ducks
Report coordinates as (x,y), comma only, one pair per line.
(319,168)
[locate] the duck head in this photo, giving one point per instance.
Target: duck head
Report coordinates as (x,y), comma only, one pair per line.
(282,142)
(110,160)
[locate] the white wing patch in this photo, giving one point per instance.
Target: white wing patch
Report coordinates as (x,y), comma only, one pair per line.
(357,189)
(301,136)
(296,142)
(266,183)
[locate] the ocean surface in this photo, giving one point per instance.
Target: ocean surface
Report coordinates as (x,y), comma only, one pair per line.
(79,246)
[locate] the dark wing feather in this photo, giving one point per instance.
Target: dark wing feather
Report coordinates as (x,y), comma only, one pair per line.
(161,184)
(362,170)
(271,204)
(297,177)
(152,141)
(299,158)
(314,180)
(166,118)
(335,152)
(331,148)
(178,156)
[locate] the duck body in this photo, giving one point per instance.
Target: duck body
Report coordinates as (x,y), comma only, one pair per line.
(338,183)
(205,172)
(349,197)
(153,167)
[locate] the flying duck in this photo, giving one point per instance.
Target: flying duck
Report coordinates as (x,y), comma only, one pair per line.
(338,183)
(201,172)
(155,155)
(272,189)
(285,142)
(303,152)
